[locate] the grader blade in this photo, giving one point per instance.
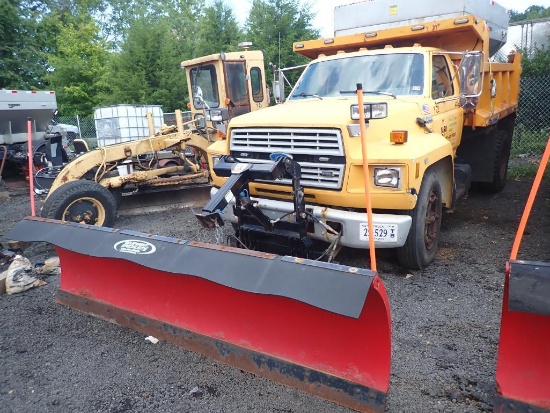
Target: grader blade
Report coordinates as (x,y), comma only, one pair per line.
(523,366)
(319,327)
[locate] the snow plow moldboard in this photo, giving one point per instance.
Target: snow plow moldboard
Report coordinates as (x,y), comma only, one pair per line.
(523,365)
(322,328)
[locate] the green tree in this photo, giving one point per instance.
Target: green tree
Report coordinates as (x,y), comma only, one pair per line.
(10,26)
(274,25)
(536,62)
(25,38)
(147,69)
(78,70)
(116,24)
(218,30)
(531,13)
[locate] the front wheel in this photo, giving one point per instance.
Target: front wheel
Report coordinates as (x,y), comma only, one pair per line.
(421,245)
(81,201)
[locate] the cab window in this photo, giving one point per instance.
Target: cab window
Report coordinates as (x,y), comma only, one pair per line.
(442,85)
(236,83)
(204,86)
(257,86)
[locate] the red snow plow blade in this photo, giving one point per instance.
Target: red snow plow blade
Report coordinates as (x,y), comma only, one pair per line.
(523,367)
(322,328)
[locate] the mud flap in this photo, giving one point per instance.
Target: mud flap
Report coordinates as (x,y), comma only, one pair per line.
(322,328)
(523,366)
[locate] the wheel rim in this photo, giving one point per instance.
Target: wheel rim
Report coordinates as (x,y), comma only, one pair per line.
(432,221)
(85,210)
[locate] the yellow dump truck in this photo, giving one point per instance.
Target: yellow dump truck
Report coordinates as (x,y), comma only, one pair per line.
(439,115)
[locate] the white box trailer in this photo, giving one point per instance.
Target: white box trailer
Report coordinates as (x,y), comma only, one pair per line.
(123,123)
(372,15)
(16,106)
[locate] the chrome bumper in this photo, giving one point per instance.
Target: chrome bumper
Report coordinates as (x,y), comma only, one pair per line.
(350,221)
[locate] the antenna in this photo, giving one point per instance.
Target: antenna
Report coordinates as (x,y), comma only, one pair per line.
(279,49)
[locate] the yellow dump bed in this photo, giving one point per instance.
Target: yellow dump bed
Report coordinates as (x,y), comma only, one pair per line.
(453,35)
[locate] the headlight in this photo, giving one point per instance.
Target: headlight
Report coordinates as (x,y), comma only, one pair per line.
(387,177)
(371,110)
(217,115)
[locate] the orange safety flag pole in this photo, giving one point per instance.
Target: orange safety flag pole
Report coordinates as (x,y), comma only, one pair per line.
(366,176)
(530,201)
(31,174)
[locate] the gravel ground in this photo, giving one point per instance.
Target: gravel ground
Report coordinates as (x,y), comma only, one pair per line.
(445,329)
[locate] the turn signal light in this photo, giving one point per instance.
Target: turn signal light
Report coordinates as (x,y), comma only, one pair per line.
(399,136)
(188,105)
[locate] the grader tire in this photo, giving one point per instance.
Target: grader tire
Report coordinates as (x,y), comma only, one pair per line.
(81,201)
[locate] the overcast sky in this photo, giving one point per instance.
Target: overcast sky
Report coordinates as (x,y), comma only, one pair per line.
(325,10)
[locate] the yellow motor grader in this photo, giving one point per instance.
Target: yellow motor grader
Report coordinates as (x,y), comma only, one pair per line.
(89,189)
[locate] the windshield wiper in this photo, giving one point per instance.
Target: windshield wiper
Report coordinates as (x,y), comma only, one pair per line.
(307,95)
(372,92)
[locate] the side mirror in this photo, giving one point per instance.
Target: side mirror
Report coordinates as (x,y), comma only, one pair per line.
(471,76)
(279,87)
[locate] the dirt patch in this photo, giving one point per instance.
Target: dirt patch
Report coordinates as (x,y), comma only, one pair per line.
(445,328)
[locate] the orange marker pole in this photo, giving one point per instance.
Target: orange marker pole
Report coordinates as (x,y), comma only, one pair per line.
(31,174)
(530,201)
(366,176)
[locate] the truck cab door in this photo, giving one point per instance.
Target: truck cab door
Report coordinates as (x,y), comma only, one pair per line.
(448,115)
(236,87)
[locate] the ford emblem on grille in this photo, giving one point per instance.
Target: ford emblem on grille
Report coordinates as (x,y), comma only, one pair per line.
(132,246)
(327,173)
(324,159)
(245,154)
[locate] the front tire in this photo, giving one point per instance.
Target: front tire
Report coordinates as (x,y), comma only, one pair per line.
(421,245)
(81,201)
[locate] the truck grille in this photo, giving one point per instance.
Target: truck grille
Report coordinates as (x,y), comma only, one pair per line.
(320,152)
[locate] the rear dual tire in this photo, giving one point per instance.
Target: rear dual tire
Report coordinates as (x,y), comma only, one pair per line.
(502,156)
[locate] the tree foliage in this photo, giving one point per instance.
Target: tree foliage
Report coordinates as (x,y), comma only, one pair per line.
(10,25)
(274,25)
(147,69)
(531,13)
(536,62)
(219,30)
(25,39)
(78,67)
(99,52)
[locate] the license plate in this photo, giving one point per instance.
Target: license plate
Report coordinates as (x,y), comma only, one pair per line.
(382,232)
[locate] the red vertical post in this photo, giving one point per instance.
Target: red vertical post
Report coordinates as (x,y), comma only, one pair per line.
(31,174)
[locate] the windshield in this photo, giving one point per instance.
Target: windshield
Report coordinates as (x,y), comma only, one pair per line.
(393,74)
(204,86)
